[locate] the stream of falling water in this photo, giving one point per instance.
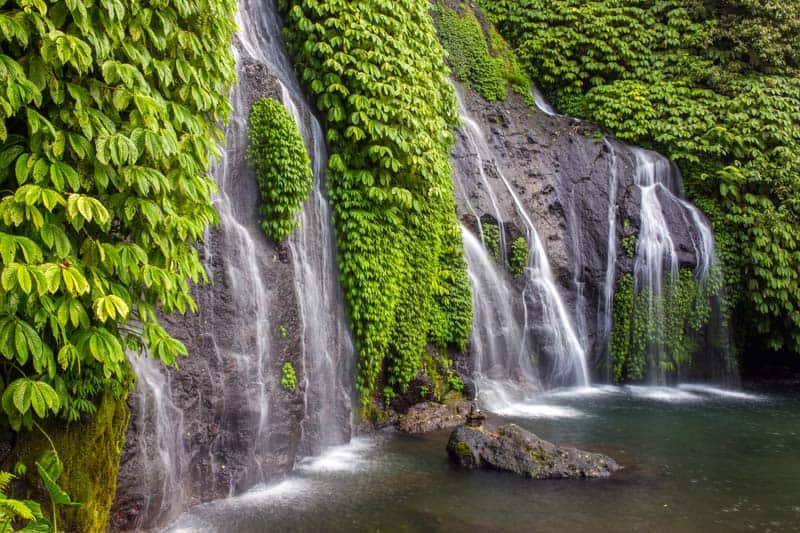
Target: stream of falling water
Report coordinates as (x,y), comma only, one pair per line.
(246,356)
(562,343)
(656,260)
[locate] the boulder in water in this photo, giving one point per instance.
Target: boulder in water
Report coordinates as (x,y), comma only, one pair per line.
(511,448)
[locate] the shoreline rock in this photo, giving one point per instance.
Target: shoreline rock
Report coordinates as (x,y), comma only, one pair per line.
(431,416)
(513,449)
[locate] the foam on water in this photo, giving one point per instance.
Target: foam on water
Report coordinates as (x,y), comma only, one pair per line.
(346,458)
(661,394)
(541,410)
(583,392)
(720,392)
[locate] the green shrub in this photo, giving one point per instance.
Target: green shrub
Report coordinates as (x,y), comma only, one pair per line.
(714,85)
(468,52)
(109,116)
(276,151)
(378,77)
(288,377)
(519,256)
(491,239)
(681,314)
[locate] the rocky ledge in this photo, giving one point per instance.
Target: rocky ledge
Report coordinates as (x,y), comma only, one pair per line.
(511,448)
(431,416)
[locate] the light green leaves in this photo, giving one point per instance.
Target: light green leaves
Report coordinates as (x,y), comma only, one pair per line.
(377,72)
(23,395)
(103,161)
(276,151)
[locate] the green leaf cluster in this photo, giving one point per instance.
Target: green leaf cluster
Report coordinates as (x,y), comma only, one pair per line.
(377,73)
(477,53)
(276,151)
(288,377)
(491,240)
(667,327)
(519,256)
(109,116)
(715,85)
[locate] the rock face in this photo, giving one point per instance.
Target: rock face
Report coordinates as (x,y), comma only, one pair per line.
(431,416)
(567,175)
(513,449)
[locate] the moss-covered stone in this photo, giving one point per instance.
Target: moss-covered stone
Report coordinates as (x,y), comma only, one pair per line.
(90,451)
(462,449)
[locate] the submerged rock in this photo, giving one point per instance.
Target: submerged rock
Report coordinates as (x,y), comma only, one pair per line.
(431,416)
(514,449)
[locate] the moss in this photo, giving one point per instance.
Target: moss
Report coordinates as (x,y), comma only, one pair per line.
(90,451)
(540,456)
(462,449)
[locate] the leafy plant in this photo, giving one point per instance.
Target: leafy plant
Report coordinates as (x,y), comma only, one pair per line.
(283,169)
(377,73)
(491,240)
(714,84)
(109,115)
(519,256)
(288,377)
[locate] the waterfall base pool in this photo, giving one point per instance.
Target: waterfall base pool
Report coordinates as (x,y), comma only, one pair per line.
(696,459)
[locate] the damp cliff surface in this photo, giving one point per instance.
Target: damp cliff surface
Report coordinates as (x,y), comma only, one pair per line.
(223,421)
(581,190)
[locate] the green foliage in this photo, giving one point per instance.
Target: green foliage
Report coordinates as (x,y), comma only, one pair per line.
(19,511)
(519,256)
(712,83)
(288,377)
(276,151)
(108,118)
(468,52)
(477,53)
(669,325)
(377,73)
(491,240)
(629,245)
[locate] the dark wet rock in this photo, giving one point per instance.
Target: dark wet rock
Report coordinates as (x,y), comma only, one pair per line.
(514,449)
(212,395)
(562,170)
(431,416)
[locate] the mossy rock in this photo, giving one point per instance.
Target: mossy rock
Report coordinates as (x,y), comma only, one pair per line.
(90,451)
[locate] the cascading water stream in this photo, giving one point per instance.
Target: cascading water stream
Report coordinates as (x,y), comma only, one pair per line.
(656,261)
(327,345)
(238,344)
(607,303)
(562,344)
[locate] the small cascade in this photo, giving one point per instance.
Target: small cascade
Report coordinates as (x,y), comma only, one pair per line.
(655,250)
(542,104)
(606,313)
(223,422)
(162,462)
(657,262)
(327,347)
(499,339)
(546,324)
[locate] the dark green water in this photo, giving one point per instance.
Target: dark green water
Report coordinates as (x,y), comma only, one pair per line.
(695,461)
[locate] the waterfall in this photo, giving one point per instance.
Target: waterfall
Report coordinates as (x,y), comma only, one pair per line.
(607,303)
(327,346)
(656,260)
(552,327)
(223,422)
